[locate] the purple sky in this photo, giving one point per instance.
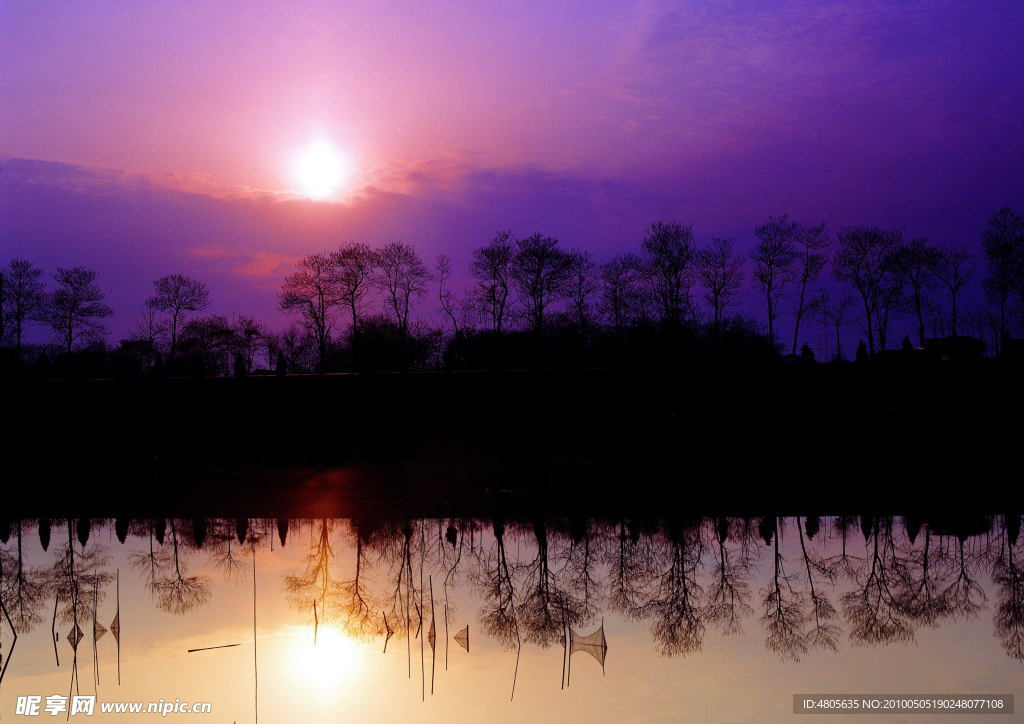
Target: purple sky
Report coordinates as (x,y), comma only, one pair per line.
(149,138)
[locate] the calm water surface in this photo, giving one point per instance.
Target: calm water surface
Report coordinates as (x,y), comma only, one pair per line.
(718,619)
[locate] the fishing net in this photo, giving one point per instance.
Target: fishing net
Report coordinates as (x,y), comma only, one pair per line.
(462,638)
(74,636)
(593,644)
(388,631)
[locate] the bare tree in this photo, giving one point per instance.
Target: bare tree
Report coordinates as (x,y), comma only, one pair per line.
(541,272)
(492,268)
(720,271)
(913,263)
(150,329)
(445,296)
(810,240)
(179,592)
(891,303)
(861,262)
(177,294)
(354,266)
(1003,243)
(22,588)
(74,308)
(774,256)
(954,268)
(668,258)
(22,298)
(402,277)
(678,615)
(582,285)
(621,292)
(834,312)
(729,591)
(249,338)
(1008,577)
(313,292)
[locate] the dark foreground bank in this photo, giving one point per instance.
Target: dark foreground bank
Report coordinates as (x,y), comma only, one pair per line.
(941,436)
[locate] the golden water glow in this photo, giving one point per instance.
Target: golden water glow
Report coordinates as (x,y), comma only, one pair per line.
(329,662)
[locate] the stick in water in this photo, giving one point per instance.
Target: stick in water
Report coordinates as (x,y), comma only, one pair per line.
(210,648)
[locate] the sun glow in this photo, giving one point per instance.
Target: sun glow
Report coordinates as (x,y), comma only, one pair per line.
(321,170)
(328,663)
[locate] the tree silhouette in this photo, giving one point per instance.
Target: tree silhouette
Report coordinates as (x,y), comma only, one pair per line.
(872,608)
(834,312)
(774,257)
(630,565)
(354,268)
(179,592)
(313,291)
(1002,241)
(1008,576)
(498,615)
(822,632)
(541,272)
(22,587)
(445,296)
(74,308)
(22,299)
(176,294)
(784,616)
(78,578)
(402,277)
(581,286)
(913,263)
(621,299)
(953,268)
(316,582)
(720,272)
(674,601)
(810,240)
(921,594)
(964,594)
(546,606)
(668,255)
(491,266)
(729,592)
(861,261)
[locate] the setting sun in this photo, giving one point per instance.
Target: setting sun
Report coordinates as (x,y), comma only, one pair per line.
(327,663)
(320,170)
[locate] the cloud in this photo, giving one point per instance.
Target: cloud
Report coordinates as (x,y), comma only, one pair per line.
(133,230)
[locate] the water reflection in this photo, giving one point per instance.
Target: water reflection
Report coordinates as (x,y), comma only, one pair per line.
(804,583)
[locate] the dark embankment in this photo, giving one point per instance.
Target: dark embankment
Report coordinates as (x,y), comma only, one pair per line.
(846,438)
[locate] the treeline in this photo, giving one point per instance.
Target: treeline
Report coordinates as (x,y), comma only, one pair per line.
(533,303)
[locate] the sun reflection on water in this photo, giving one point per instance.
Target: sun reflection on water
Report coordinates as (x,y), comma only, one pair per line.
(329,662)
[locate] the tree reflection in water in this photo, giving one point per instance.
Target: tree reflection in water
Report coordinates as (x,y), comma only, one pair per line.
(870,580)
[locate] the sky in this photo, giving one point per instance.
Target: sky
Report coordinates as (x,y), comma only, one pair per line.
(150,138)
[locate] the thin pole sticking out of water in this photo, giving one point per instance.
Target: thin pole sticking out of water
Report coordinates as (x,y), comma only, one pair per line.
(423,671)
(433,645)
(117,615)
(408,604)
(53,628)
(255,665)
(211,648)
(565,646)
